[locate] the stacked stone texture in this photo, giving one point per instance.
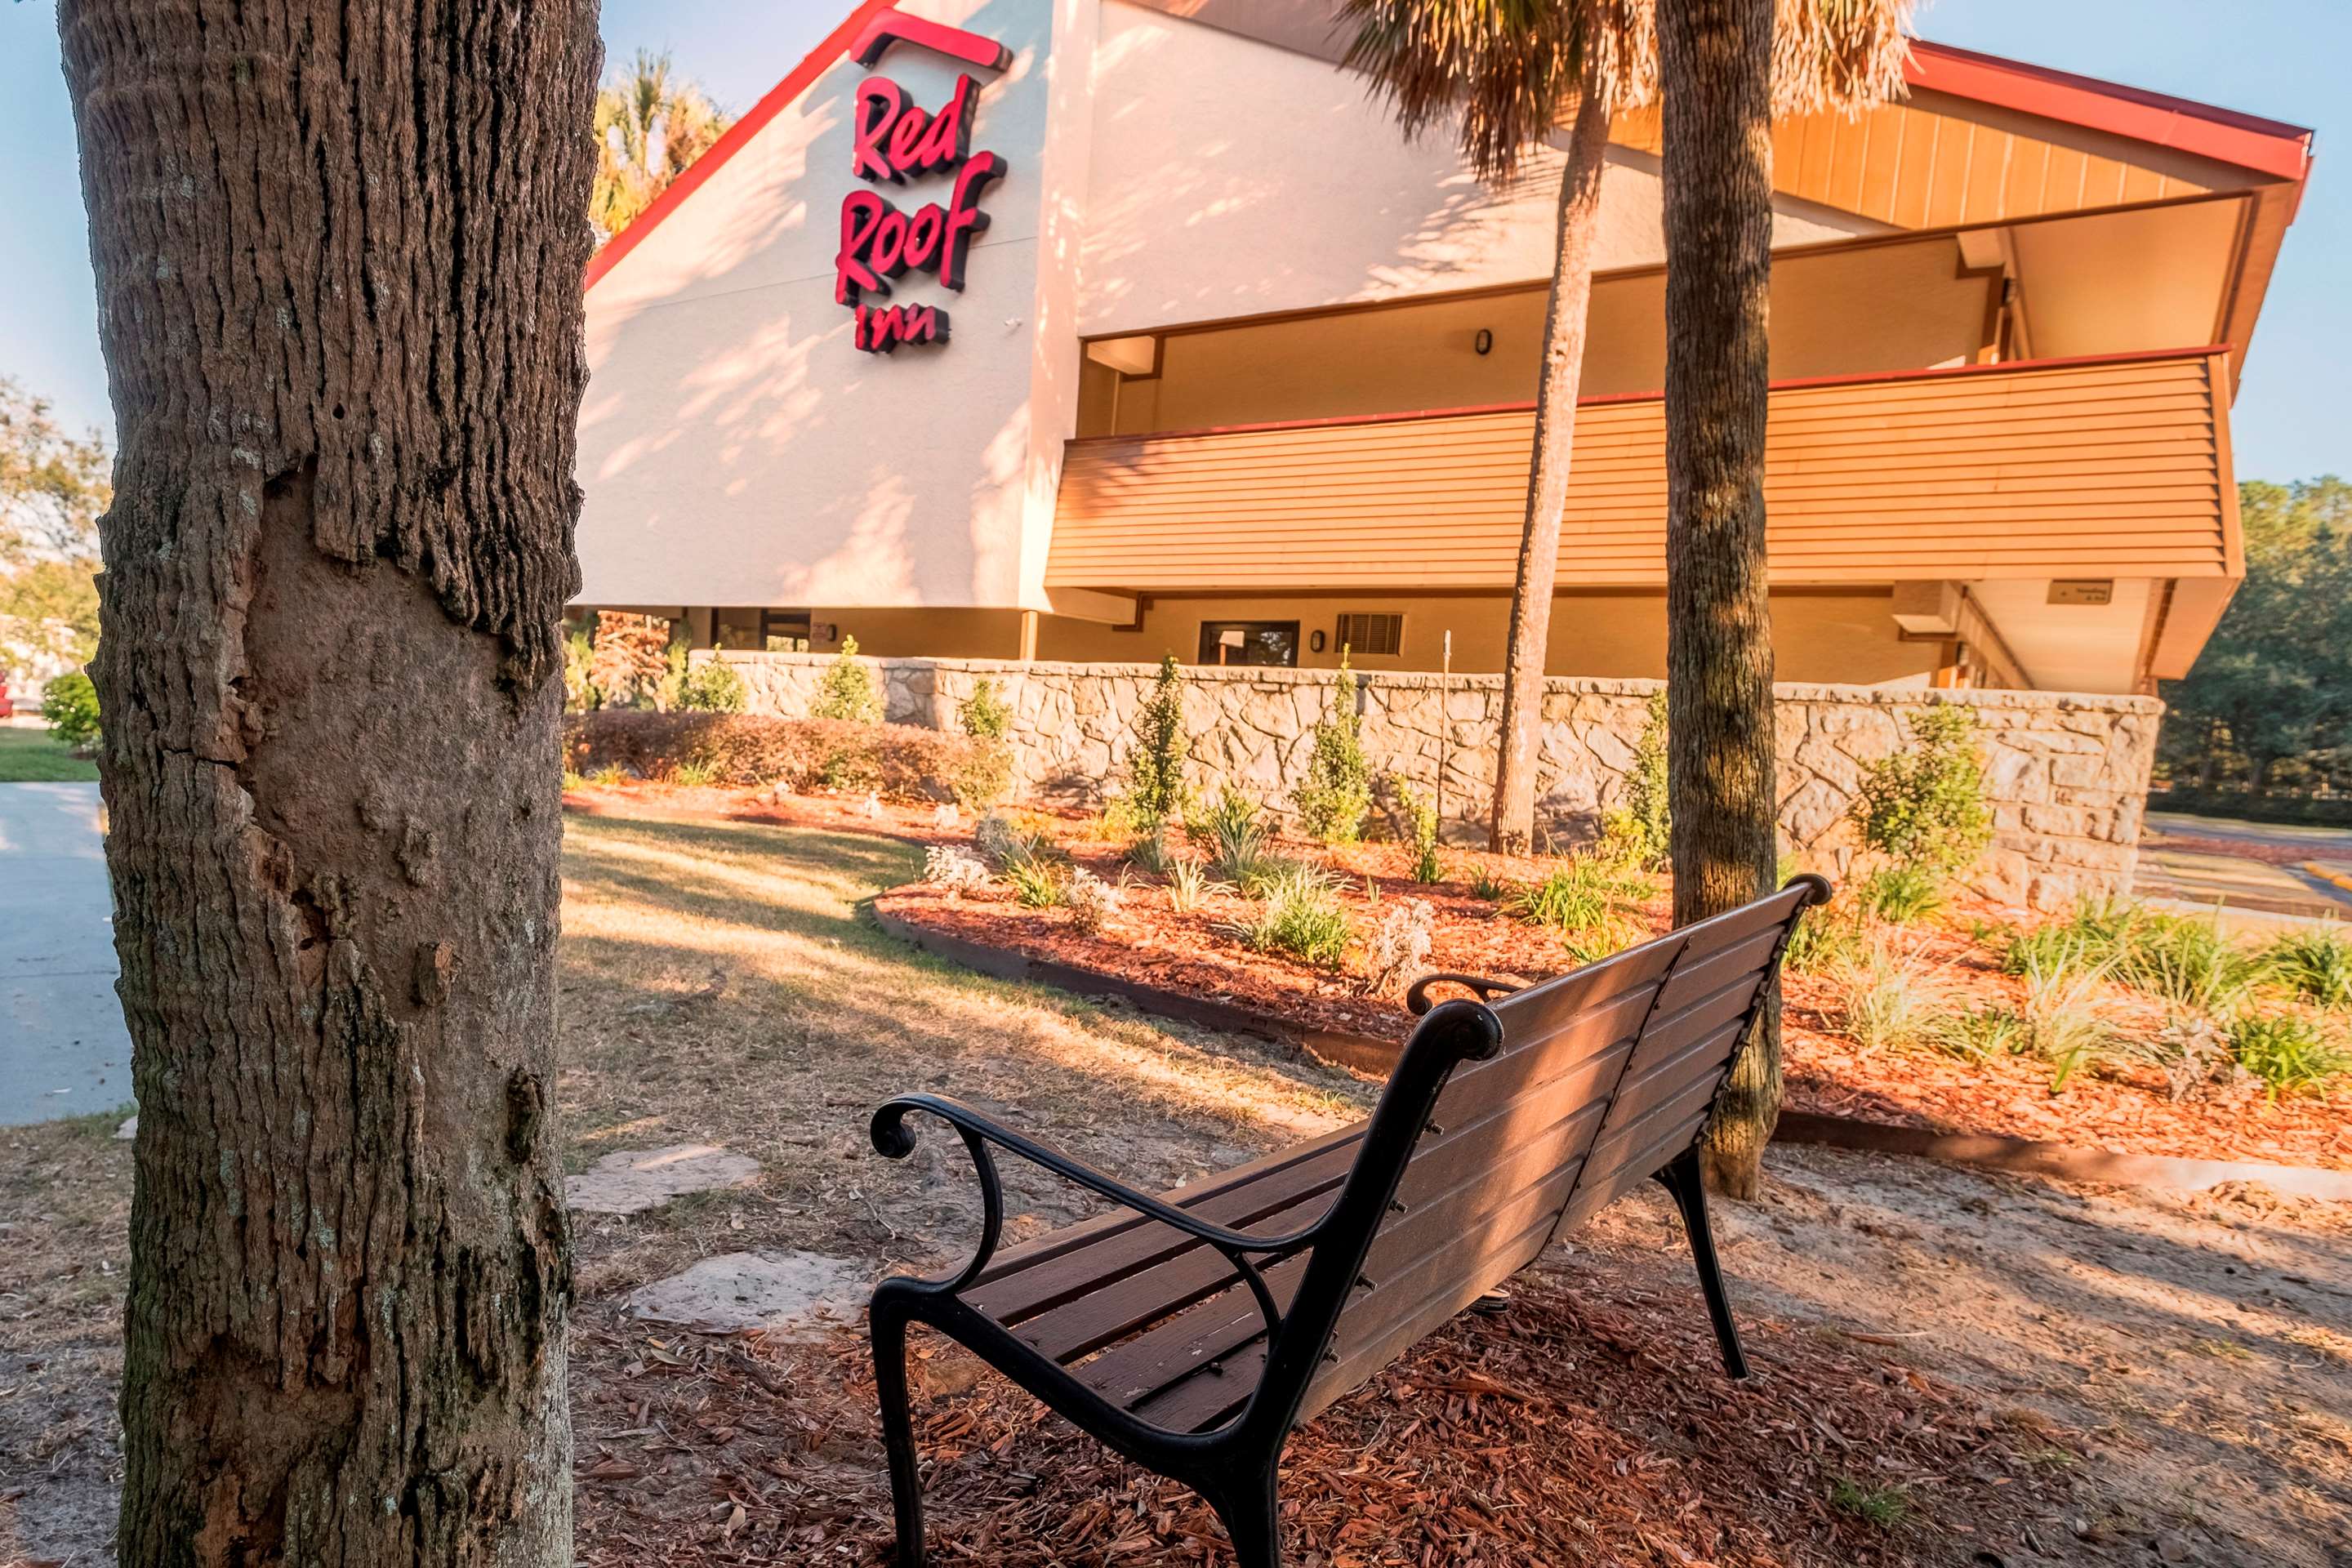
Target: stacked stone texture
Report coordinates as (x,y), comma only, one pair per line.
(2067,775)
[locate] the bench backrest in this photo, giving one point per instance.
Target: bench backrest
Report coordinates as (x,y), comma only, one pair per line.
(1604,1075)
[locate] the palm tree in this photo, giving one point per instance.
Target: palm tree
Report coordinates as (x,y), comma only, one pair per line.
(1726,65)
(651,122)
(1513,70)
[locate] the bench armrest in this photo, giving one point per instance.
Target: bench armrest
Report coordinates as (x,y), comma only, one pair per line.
(1417,998)
(893,1139)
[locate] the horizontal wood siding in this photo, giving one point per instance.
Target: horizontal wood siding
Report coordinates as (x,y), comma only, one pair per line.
(2110,469)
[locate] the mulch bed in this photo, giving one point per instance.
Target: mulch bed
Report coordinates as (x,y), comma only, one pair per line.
(1569,1429)
(2120,1106)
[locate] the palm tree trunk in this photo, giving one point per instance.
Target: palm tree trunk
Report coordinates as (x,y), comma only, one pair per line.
(1512,827)
(1715,59)
(339,247)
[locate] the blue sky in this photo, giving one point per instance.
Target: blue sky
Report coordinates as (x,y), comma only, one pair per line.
(2279,59)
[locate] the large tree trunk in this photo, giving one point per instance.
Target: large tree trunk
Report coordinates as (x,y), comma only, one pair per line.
(338,246)
(1511,828)
(1714,58)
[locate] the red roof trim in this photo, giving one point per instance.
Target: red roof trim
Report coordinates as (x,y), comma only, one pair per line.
(779,98)
(1606,399)
(2268,146)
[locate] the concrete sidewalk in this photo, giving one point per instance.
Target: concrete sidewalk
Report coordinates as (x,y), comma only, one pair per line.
(63,1048)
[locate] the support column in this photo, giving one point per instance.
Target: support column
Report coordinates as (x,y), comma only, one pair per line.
(1028,637)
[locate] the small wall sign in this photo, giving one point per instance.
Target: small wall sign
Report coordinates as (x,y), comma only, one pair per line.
(893,141)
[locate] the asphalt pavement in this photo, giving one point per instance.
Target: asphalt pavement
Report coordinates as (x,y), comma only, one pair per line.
(63,1048)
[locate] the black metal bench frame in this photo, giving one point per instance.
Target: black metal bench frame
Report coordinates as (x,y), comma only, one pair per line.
(1234,1466)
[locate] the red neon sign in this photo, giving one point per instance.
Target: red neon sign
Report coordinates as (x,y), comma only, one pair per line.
(893,140)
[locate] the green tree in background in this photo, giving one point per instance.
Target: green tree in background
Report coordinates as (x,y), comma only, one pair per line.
(53,485)
(2269,702)
(652,122)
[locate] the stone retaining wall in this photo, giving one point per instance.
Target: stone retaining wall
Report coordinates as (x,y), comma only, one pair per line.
(2068,774)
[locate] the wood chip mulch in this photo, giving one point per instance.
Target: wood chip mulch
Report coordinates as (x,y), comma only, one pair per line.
(1576,1427)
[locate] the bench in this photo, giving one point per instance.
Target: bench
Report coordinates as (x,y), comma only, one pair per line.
(1192,1331)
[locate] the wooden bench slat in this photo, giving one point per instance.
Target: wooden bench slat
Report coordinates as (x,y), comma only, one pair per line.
(1699,973)
(1128,1373)
(1111,1311)
(1191,1196)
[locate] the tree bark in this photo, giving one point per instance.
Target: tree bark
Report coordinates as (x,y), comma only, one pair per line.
(1714,58)
(339,250)
(1511,828)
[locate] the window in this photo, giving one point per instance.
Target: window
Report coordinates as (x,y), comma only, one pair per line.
(784,631)
(1376,636)
(1249,642)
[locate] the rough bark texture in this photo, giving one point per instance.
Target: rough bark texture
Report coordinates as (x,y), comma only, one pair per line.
(1715,59)
(339,249)
(1512,825)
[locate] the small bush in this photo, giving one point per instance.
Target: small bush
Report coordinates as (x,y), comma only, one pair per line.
(1592,905)
(1485,885)
(1924,805)
(712,686)
(1301,916)
(1156,767)
(1399,949)
(580,693)
(1092,902)
(1150,851)
(1189,886)
(611,775)
(694,774)
(2288,1051)
(2316,962)
(984,715)
(628,658)
(2095,933)
(1900,894)
(2063,1008)
(69,707)
(1337,793)
(1639,829)
(1421,815)
(1037,883)
(846,693)
(1236,840)
(987,779)
(898,762)
(1884,997)
(954,867)
(1983,1033)
(1004,842)
(1823,938)
(2186,958)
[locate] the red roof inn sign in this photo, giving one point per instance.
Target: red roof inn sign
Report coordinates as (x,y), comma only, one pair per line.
(892,142)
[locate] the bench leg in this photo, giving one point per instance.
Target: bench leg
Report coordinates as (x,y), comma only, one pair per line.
(1681,1178)
(1247,1509)
(898,1429)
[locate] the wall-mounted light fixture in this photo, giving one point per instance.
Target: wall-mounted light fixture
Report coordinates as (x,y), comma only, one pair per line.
(1484,342)
(1315,642)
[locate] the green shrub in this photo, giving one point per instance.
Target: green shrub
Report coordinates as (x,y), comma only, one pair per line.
(1190,884)
(2095,933)
(1037,883)
(1484,884)
(1156,767)
(1924,805)
(898,762)
(1234,833)
(2063,1012)
(1639,829)
(1150,851)
(711,687)
(1302,916)
(1420,812)
(1589,903)
(2316,962)
(1900,894)
(1337,793)
(2290,1052)
(69,705)
(610,776)
(2187,960)
(984,715)
(1823,939)
(581,692)
(1981,1033)
(694,774)
(846,693)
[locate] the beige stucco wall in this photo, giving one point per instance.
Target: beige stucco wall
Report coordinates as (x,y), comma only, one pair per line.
(1845,636)
(2066,776)
(1231,177)
(735,448)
